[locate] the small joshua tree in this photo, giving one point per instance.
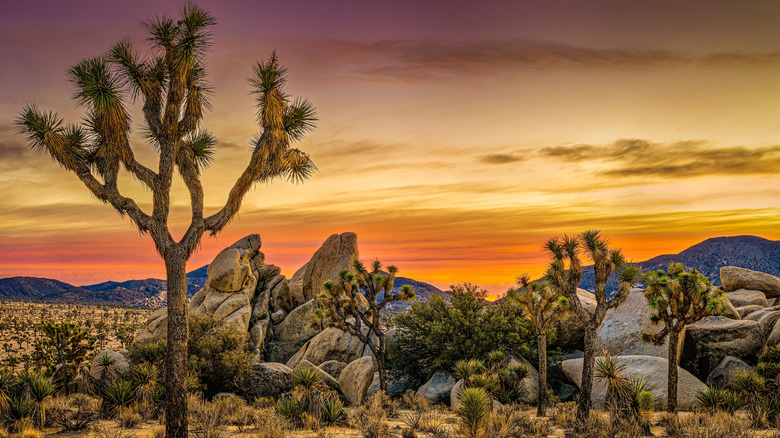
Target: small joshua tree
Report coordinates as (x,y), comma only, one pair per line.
(542,306)
(71,342)
(678,298)
(347,310)
(565,279)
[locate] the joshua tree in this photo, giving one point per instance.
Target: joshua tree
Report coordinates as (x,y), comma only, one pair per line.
(606,262)
(349,309)
(171,80)
(71,342)
(678,298)
(542,306)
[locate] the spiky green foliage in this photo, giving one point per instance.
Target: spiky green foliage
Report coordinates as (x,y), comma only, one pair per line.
(171,80)
(332,410)
(475,405)
(716,399)
(565,274)
(146,383)
(7,383)
(20,413)
(150,352)
(290,408)
(436,334)
(38,388)
(678,298)
(72,344)
(307,377)
(628,398)
(356,301)
(543,306)
(117,394)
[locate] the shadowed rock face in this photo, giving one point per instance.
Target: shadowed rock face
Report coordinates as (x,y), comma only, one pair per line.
(654,368)
(570,331)
(621,331)
(335,255)
(710,340)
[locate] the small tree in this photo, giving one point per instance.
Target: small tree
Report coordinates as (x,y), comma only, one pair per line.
(171,79)
(565,274)
(345,307)
(678,298)
(71,342)
(542,306)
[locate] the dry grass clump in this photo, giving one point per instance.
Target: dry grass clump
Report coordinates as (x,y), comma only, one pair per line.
(129,417)
(603,426)
(107,431)
(207,419)
(564,415)
(73,413)
(715,425)
(270,425)
(371,419)
(509,421)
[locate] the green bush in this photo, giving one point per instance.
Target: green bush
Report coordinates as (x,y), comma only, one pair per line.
(475,404)
(290,408)
(435,334)
(218,355)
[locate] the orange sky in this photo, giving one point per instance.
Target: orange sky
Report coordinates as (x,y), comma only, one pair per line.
(453,138)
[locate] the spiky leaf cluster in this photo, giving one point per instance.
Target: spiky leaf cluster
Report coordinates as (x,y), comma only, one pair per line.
(543,305)
(678,297)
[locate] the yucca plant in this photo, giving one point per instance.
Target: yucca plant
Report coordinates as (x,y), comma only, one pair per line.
(495,359)
(467,369)
(712,399)
(38,388)
(19,413)
(332,410)
(145,381)
(510,384)
(610,370)
(474,407)
(306,377)
(107,364)
(117,394)
(7,382)
(151,352)
(290,408)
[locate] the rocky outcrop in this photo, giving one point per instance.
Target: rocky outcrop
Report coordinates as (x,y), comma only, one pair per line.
(268,379)
(570,331)
(531,381)
(155,329)
(333,367)
(438,388)
(298,327)
(331,344)
(621,331)
(654,368)
(726,372)
(356,378)
(395,386)
(710,340)
(734,278)
(747,297)
(335,255)
(747,310)
(119,365)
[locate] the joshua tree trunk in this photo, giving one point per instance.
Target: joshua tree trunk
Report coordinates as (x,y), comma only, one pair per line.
(671,405)
(64,369)
(178,332)
(541,346)
(588,364)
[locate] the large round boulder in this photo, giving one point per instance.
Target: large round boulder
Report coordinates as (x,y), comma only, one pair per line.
(298,327)
(531,381)
(621,331)
(356,378)
(734,278)
(396,386)
(438,388)
(268,379)
(229,270)
(747,297)
(654,368)
(155,329)
(331,344)
(726,372)
(570,330)
(333,367)
(336,254)
(713,338)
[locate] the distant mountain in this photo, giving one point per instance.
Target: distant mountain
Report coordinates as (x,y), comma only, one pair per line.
(424,292)
(751,252)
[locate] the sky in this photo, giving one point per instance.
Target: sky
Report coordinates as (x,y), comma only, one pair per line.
(454,137)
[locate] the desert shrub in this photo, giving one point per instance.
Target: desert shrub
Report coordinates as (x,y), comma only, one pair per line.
(696,425)
(475,404)
(117,394)
(332,411)
(416,402)
(751,387)
(433,422)
(434,334)
(290,408)
(38,388)
(148,388)
(370,418)
(76,412)
(601,426)
(19,413)
(106,431)
(270,425)
(714,399)
(28,431)
(129,417)
(149,352)
(208,419)
(218,355)
(7,383)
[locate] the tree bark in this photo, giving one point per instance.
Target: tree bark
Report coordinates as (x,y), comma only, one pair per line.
(588,364)
(178,333)
(541,346)
(671,405)
(64,370)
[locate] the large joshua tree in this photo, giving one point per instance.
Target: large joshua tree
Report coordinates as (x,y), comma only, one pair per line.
(565,274)
(171,81)
(678,298)
(356,301)
(542,306)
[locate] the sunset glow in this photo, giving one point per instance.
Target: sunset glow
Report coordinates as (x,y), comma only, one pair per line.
(454,137)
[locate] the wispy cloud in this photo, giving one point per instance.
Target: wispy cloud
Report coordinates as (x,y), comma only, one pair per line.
(685,159)
(500,158)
